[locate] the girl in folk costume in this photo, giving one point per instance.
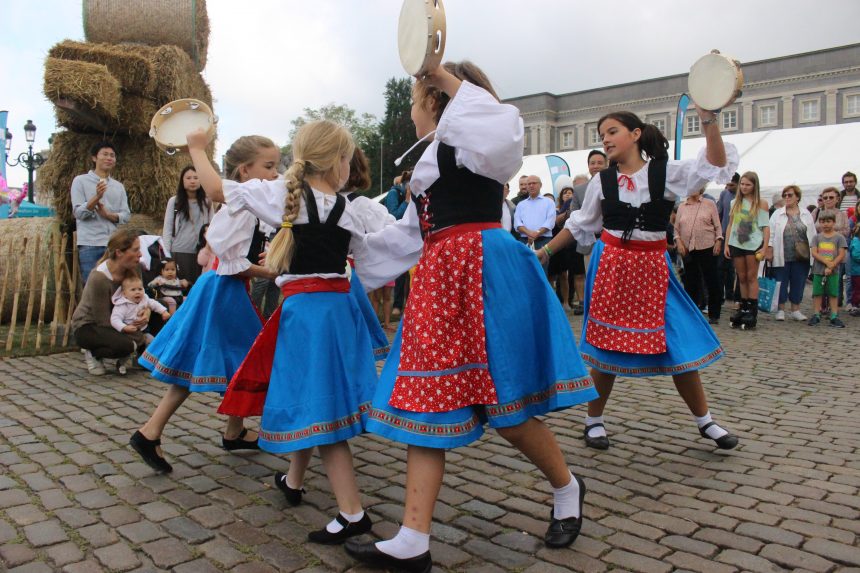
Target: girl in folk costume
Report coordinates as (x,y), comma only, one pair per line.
(639,321)
(204,343)
(311,371)
(456,364)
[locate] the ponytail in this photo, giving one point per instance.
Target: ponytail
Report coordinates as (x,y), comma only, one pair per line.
(281,250)
(651,142)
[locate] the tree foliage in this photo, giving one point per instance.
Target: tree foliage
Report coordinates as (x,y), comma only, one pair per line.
(364,127)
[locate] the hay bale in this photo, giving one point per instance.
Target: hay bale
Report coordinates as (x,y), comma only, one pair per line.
(148,174)
(128,64)
(182,23)
(90,84)
(132,117)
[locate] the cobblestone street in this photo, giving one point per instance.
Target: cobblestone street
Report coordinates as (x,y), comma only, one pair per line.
(75,498)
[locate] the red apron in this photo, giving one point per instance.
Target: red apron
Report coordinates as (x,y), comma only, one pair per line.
(627,308)
(246,393)
(443,354)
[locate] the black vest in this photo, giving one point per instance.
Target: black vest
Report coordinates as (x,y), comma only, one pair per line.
(621,216)
(458,196)
(320,248)
(258,244)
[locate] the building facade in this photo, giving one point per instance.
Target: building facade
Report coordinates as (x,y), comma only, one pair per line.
(801,90)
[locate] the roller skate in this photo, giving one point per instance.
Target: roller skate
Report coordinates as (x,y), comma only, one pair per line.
(736,316)
(750,318)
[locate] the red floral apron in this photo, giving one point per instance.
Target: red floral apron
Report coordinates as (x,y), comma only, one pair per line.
(443,357)
(627,308)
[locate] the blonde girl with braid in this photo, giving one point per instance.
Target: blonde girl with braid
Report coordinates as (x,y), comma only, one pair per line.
(311,372)
(206,340)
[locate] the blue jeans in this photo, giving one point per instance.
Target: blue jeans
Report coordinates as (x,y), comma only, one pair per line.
(793,279)
(88,258)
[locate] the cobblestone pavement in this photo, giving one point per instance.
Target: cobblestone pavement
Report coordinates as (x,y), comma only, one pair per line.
(75,498)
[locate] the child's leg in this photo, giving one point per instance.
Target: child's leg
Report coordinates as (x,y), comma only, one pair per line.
(816,301)
(299,462)
(689,386)
(337,460)
(741,274)
(387,294)
(538,444)
(834,305)
(235,425)
(752,276)
(171,304)
(603,383)
(170,402)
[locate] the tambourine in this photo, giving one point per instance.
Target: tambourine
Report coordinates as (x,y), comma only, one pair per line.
(172,123)
(421,35)
(715,81)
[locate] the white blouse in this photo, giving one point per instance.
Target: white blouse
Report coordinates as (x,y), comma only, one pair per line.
(682,178)
(230,236)
(372,215)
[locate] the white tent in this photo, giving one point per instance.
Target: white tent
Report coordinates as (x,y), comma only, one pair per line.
(810,157)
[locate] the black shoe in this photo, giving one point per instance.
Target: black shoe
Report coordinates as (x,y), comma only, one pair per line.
(727,442)
(239,443)
(563,532)
(599,443)
(293,496)
(368,554)
(578,310)
(146,449)
(349,530)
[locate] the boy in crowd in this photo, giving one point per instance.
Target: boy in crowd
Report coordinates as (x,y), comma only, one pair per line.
(828,250)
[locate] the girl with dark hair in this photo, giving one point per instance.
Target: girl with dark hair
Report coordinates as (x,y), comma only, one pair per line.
(455,364)
(638,319)
(185,215)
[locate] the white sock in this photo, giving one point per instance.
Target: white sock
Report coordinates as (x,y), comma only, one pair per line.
(597,432)
(406,544)
(566,500)
(334,526)
(714,432)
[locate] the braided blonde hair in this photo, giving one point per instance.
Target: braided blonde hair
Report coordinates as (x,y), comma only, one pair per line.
(318,149)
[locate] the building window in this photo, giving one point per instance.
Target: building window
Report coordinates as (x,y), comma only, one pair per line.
(730,120)
(593,136)
(767,116)
(660,124)
(694,125)
(527,140)
(566,139)
(809,110)
(852,105)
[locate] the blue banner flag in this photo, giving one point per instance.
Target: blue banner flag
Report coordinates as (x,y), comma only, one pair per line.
(683,104)
(3,115)
(557,167)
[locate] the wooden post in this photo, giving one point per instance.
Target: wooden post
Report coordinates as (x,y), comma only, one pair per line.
(59,260)
(13,320)
(41,323)
(35,262)
(5,280)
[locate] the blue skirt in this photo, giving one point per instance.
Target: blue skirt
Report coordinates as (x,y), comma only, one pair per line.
(533,360)
(203,344)
(690,342)
(380,343)
(323,374)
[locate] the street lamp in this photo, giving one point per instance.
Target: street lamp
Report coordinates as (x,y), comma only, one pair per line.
(31,161)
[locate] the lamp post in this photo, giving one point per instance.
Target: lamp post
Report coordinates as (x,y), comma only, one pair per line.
(29,160)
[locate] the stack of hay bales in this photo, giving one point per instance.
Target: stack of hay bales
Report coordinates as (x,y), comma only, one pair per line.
(140,56)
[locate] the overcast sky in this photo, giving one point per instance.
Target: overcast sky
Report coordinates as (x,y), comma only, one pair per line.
(269,59)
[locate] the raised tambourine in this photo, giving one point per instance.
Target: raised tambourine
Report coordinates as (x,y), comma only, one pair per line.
(421,35)
(172,123)
(715,81)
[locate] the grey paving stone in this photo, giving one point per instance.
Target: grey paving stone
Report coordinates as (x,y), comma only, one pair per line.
(117,557)
(45,533)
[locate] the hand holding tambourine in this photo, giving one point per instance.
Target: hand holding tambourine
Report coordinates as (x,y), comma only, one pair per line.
(421,36)
(198,139)
(715,81)
(172,123)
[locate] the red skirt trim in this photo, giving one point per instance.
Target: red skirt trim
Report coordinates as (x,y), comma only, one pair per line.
(246,393)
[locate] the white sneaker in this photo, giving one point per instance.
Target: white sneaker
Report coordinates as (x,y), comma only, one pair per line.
(122,365)
(94,365)
(797,315)
(780,315)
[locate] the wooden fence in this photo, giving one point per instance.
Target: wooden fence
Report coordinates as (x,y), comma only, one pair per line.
(39,286)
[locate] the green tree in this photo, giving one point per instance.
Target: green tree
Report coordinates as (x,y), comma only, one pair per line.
(397,133)
(364,127)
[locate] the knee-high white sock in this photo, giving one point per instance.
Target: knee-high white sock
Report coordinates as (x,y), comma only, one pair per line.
(597,432)
(334,526)
(715,432)
(406,544)
(566,500)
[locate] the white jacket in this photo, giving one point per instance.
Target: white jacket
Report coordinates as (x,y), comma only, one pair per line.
(778,221)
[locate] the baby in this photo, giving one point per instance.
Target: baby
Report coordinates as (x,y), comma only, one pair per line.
(169,288)
(129,305)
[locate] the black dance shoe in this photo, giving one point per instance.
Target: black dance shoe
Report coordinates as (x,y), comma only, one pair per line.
(563,532)
(146,449)
(293,496)
(598,443)
(325,537)
(368,554)
(239,443)
(727,442)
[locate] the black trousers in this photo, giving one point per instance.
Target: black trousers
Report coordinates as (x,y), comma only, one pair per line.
(727,278)
(699,266)
(104,341)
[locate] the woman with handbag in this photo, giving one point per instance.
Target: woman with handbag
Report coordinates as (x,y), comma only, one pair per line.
(792,231)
